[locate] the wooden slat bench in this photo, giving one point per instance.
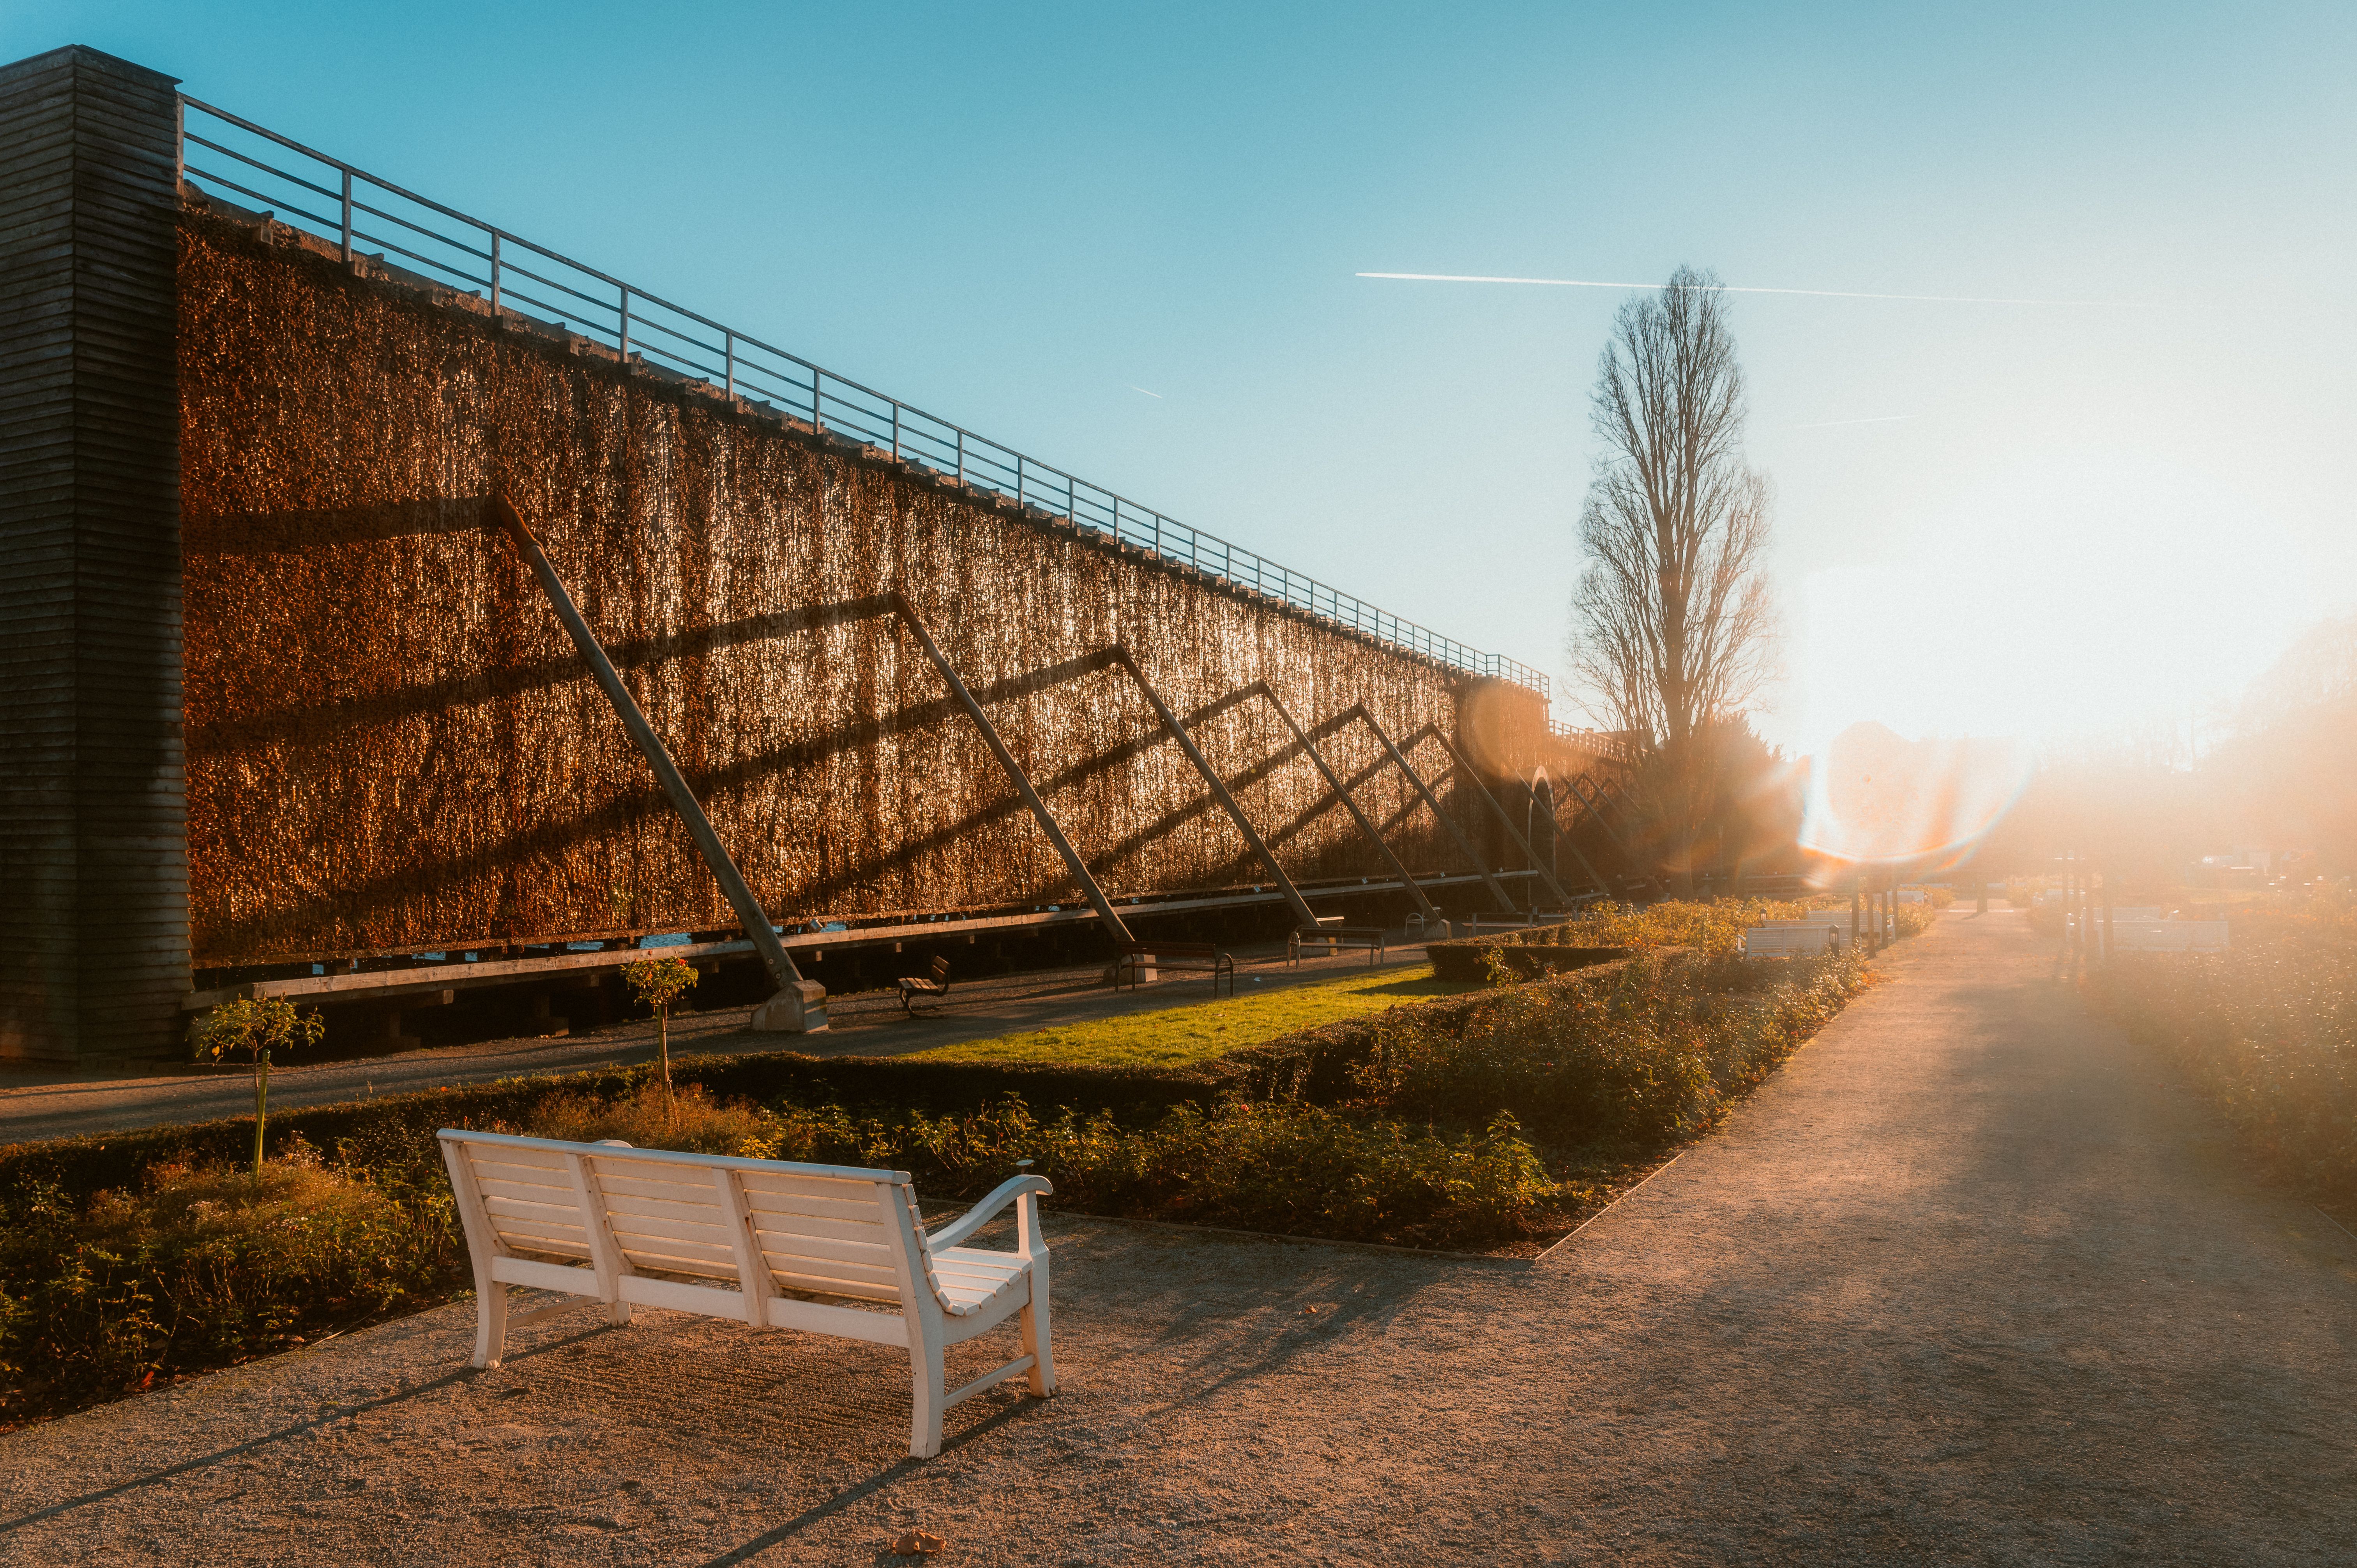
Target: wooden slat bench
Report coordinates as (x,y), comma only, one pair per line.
(1196,958)
(1337,938)
(918,991)
(825,1249)
(1781,939)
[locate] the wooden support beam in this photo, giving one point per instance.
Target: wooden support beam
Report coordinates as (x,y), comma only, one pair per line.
(1335,784)
(798,1008)
(1301,910)
(1563,899)
(1022,781)
(1497,889)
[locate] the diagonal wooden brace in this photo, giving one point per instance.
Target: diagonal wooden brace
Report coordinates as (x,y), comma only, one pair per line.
(1022,781)
(799,1007)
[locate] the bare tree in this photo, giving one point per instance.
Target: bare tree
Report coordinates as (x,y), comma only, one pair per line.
(1673,628)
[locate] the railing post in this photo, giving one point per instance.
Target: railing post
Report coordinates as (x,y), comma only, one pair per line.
(625,339)
(495,272)
(348,218)
(961,455)
(896,427)
(728,342)
(818,405)
(1070,514)
(1019,477)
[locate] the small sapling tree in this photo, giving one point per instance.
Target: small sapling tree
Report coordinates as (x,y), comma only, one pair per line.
(660,982)
(257,1027)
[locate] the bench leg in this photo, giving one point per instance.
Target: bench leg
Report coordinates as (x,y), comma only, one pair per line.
(1035,1334)
(491,1321)
(929,1389)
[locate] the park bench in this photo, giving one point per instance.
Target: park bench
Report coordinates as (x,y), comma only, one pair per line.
(1476,924)
(824,1249)
(1783,938)
(1142,962)
(2167,936)
(1337,938)
(917,990)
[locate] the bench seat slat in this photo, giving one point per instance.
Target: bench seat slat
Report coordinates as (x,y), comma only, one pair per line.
(975,1261)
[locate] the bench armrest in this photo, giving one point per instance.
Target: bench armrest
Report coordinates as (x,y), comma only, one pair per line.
(973,1218)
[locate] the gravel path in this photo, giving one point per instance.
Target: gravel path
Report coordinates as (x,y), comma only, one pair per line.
(1968,1283)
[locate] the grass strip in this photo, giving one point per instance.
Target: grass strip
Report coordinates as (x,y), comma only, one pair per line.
(1200,1031)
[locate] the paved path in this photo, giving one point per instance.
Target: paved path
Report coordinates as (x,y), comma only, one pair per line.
(1969,1283)
(39,1103)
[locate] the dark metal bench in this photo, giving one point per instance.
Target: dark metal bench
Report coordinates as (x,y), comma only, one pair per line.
(916,990)
(1199,958)
(1337,938)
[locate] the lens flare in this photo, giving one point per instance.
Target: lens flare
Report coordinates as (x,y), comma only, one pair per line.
(1875,799)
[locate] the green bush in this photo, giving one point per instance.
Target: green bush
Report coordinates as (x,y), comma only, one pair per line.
(202,1269)
(1648,1058)
(1273,1165)
(2267,1031)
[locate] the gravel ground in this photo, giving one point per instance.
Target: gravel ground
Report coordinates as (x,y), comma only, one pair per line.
(1970,1282)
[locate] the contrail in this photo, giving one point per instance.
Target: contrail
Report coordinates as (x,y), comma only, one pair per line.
(1875,419)
(1156,395)
(1733,288)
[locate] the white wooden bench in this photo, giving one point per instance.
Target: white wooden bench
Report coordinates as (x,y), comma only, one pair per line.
(1778,939)
(774,1244)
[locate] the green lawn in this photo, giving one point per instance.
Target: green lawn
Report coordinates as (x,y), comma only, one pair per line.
(1173,1036)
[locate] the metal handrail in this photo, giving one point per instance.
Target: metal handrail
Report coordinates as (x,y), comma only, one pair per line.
(1611,743)
(448,246)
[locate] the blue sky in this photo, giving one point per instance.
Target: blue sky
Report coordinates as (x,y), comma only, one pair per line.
(2060,518)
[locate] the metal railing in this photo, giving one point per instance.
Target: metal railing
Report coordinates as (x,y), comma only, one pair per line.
(356,211)
(1615,743)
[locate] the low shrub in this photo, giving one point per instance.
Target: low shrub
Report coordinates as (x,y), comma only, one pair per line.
(657,1118)
(204,1268)
(1708,928)
(1275,1165)
(1649,1057)
(1913,920)
(2267,1031)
